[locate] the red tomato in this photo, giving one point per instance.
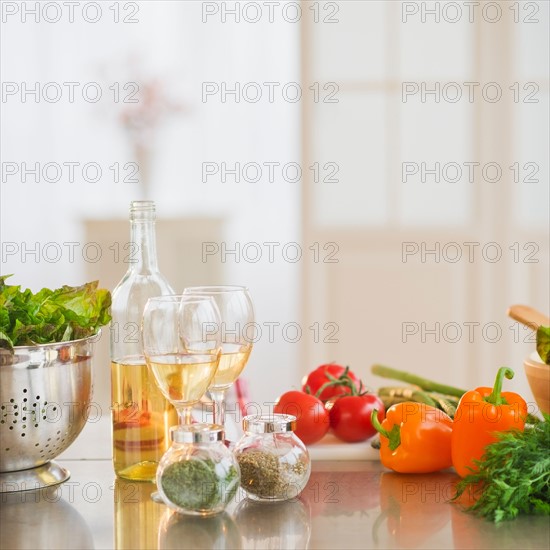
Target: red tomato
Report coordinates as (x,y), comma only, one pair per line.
(312,418)
(350,416)
(317,378)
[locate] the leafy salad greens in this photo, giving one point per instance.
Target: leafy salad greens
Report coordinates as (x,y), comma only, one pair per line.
(67,313)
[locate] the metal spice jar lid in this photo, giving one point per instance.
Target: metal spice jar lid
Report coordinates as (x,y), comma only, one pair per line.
(197,433)
(274,423)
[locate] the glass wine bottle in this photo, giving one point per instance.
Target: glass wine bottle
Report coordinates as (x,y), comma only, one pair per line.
(141,416)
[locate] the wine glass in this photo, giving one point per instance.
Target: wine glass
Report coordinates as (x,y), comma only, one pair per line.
(181,348)
(237,315)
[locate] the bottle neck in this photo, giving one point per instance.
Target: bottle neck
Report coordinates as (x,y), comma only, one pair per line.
(143,251)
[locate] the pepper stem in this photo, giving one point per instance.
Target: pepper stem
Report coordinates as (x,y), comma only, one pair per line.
(495,397)
(376,424)
(394,435)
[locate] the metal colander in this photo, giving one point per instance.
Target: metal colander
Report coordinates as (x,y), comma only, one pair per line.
(45,394)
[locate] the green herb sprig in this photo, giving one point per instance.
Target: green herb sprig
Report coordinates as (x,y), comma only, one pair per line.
(543,343)
(513,475)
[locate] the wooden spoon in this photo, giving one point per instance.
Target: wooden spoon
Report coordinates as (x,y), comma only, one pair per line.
(528,316)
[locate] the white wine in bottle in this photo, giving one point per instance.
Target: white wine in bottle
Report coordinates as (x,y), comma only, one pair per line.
(141,416)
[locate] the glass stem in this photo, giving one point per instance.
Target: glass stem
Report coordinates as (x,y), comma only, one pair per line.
(218,413)
(185,416)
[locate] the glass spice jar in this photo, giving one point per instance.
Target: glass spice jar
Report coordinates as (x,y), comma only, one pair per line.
(198,475)
(274,463)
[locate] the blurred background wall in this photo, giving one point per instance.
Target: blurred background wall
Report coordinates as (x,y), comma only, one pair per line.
(375,172)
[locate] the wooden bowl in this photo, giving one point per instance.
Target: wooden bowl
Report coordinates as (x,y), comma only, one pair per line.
(538,375)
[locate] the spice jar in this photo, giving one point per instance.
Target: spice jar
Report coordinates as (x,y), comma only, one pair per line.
(274,463)
(198,475)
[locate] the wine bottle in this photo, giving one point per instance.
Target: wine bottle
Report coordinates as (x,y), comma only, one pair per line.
(141,416)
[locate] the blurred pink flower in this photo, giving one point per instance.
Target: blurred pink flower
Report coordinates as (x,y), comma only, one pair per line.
(143,117)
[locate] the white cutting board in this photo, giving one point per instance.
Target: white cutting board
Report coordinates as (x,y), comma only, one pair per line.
(332,448)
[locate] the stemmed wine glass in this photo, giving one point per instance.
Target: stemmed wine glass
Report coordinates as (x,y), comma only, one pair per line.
(180,348)
(237,314)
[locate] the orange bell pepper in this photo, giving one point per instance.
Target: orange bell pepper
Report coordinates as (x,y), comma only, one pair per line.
(480,415)
(414,438)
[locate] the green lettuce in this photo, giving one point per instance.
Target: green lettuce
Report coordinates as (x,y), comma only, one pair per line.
(67,313)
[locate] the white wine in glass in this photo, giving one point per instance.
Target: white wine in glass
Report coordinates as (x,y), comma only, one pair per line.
(180,352)
(236,313)
(183,378)
(232,362)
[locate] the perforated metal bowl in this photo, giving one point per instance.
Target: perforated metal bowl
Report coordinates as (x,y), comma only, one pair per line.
(45,392)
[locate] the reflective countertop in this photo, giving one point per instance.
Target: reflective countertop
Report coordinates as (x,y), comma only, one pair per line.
(346,504)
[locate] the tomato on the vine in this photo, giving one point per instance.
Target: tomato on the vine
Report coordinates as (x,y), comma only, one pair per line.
(321,381)
(312,419)
(350,416)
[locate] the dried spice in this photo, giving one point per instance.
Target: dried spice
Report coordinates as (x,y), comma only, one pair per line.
(265,476)
(195,484)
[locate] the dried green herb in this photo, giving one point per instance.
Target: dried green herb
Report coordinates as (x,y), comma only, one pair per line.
(263,475)
(513,476)
(195,485)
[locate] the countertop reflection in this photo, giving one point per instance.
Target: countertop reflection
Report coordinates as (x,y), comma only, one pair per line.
(39,519)
(345,505)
